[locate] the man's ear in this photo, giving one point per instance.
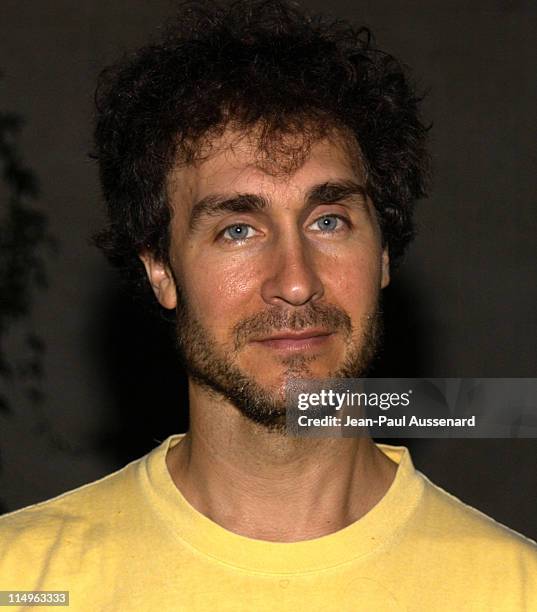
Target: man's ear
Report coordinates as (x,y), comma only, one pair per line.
(161,280)
(385,272)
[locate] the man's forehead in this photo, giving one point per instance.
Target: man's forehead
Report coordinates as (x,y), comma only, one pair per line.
(242,161)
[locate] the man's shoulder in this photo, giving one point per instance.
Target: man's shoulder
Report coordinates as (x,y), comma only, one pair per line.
(74,511)
(457,526)
(50,540)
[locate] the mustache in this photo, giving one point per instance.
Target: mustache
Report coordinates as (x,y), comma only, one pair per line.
(327,316)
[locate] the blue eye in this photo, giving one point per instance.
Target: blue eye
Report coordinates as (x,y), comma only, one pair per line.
(237,232)
(328,223)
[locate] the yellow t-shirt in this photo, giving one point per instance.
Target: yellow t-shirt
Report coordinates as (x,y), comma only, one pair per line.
(131,541)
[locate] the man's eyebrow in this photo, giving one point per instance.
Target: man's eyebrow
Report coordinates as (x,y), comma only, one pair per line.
(329,192)
(212,205)
(333,192)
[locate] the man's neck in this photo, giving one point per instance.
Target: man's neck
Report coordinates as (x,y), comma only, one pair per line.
(268,486)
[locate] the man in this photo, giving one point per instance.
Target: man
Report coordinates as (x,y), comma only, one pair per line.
(260,169)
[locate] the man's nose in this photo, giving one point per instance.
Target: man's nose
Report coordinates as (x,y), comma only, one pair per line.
(293,277)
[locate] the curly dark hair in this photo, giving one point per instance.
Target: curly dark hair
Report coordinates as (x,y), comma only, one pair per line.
(253,64)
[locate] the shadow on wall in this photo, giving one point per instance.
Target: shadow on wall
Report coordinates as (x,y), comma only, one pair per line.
(148,386)
(406,349)
(143,375)
(25,243)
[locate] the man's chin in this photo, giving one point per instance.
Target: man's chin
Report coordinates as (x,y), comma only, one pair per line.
(278,386)
(276,373)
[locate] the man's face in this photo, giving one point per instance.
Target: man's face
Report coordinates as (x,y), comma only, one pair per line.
(274,275)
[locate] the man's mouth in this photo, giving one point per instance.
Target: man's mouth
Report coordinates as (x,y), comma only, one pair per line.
(295,340)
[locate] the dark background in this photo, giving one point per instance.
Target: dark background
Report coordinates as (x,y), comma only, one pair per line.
(463,305)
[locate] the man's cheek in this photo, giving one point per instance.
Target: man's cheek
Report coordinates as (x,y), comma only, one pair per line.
(231,286)
(217,300)
(353,289)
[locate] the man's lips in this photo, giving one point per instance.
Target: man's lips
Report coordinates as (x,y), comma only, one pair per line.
(295,341)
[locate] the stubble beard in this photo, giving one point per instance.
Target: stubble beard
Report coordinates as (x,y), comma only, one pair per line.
(214,368)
